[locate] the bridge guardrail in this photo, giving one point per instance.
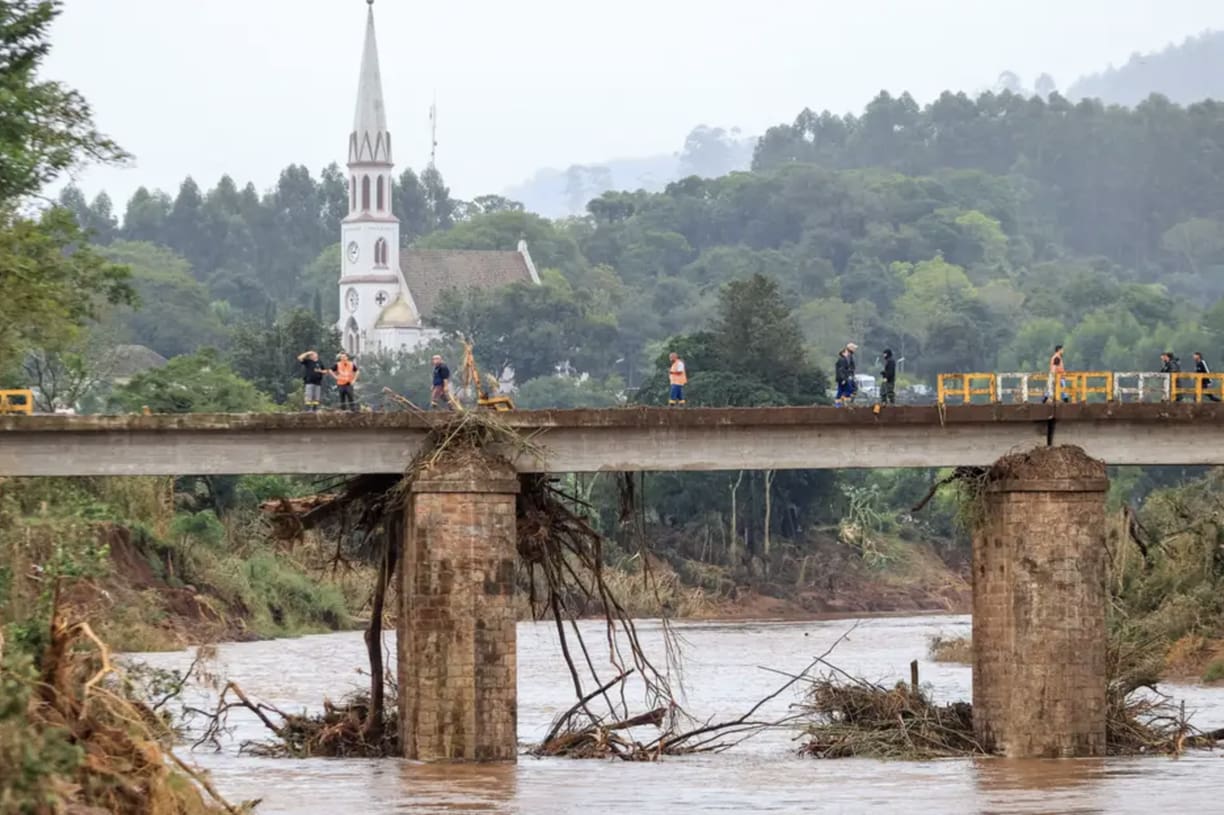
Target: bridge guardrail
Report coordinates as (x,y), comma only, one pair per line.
(1078,387)
(1202,387)
(965,388)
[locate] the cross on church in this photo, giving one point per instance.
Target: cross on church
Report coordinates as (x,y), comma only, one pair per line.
(381,298)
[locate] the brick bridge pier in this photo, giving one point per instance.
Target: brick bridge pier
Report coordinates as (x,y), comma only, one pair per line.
(1039,601)
(456,645)
(1039,598)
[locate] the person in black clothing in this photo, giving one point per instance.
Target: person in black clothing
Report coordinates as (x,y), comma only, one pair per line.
(312,378)
(1200,367)
(843,371)
(1171,365)
(888,379)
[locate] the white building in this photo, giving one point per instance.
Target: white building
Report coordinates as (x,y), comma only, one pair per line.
(385,292)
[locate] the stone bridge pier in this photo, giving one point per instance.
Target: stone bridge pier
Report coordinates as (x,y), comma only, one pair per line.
(456,646)
(1039,599)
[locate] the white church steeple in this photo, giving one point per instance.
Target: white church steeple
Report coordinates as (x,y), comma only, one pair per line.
(370,141)
(377,312)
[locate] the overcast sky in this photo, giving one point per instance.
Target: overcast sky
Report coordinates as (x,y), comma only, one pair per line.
(245,87)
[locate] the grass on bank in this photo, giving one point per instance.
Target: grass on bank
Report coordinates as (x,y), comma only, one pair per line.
(152,575)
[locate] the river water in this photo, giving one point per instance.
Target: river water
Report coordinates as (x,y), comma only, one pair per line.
(724,670)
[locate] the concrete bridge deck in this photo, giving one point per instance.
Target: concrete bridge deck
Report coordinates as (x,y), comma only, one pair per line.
(617,439)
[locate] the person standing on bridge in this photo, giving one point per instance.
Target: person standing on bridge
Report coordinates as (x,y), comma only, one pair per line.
(441,384)
(345,372)
(1200,367)
(312,379)
(1056,381)
(677,378)
(888,379)
(843,372)
(1171,365)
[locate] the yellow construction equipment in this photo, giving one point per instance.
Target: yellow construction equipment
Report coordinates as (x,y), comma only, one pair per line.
(471,377)
(17,401)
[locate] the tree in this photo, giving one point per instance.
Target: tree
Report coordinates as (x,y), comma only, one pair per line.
(146,214)
(69,378)
(534,330)
(173,315)
(192,383)
(267,355)
(757,333)
(568,392)
(53,283)
(47,128)
(437,196)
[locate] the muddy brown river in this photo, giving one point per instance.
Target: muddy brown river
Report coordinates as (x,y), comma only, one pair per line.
(724,675)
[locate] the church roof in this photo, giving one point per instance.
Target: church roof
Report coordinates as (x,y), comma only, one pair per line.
(429,272)
(398,315)
(370,142)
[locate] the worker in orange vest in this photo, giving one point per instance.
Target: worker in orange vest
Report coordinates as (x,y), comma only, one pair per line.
(678,378)
(345,372)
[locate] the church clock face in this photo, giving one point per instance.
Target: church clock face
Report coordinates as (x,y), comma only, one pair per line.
(351,300)
(354,251)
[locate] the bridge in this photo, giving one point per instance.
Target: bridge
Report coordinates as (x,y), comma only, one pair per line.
(617,439)
(1039,595)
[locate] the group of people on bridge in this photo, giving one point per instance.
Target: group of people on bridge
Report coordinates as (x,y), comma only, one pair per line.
(1169,364)
(345,372)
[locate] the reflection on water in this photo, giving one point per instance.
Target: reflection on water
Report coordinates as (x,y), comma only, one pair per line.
(723,676)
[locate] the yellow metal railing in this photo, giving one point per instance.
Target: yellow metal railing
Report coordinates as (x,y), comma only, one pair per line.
(964,387)
(17,401)
(1194,387)
(1079,387)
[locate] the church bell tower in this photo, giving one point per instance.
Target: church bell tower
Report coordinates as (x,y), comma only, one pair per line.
(370,278)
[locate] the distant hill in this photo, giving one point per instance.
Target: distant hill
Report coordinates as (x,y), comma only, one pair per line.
(1186,73)
(709,152)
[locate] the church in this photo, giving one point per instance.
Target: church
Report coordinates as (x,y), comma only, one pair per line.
(387,292)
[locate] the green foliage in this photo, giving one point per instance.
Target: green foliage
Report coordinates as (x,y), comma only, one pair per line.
(198,383)
(568,392)
(173,316)
(53,283)
(33,761)
(48,128)
(753,357)
(1215,671)
(203,528)
(533,329)
(266,355)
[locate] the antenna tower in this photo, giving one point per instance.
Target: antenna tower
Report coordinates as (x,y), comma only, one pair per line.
(433,130)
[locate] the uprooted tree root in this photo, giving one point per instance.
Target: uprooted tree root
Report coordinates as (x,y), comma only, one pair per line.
(340,731)
(87,742)
(858,718)
(850,717)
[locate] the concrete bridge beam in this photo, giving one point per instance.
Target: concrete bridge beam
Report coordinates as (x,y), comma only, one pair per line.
(456,645)
(1039,599)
